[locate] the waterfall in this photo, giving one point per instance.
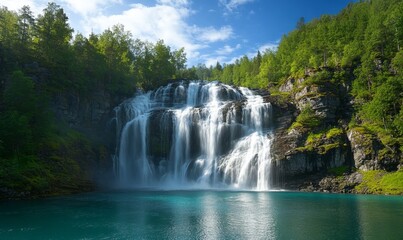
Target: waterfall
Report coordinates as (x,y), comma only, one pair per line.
(194,133)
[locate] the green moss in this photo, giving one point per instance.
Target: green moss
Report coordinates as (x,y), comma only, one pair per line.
(295,125)
(386,136)
(323,141)
(381,182)
(306,119)
(334,132)
(327,147)
(304,149)
(365,139)
(313,138)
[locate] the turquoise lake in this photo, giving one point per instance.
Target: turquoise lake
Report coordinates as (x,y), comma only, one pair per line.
(204,215)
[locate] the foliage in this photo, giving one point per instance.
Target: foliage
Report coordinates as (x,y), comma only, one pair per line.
(40,59)
(307,119)
(319,78)
(334,132)
(381,182)
(323,141)
(362,43)
(24,118)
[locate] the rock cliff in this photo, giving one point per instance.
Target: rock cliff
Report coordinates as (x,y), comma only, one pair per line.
(327,155)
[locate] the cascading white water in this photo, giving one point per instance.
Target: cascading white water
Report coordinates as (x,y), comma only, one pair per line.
(195,133)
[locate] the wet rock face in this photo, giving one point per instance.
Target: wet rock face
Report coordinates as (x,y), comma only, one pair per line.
(288,86)
(363,147)
(302,165)
(330,101)
(80,112)
(159,140)
(324,103)
(297,165)
(295,162)
(370,154)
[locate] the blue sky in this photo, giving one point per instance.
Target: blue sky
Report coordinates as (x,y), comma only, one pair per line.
(209,30)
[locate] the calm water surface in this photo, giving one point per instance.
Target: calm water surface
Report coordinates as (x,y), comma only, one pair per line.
(204,215)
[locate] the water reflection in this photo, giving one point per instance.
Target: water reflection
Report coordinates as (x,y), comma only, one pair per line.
(380,223)
(204,215)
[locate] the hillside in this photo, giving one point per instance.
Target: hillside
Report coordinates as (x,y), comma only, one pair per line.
(344,75)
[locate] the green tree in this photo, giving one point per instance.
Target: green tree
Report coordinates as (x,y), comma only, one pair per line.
(89,67)
(217,71)
(162,65)
(116,46)
(26,27)
(16,134)
(8,40)
(20,111)
(179,60)
(227,74)
(269,69)
(386,103)
(53,35)
(19,94)
(300,23)
(397,63)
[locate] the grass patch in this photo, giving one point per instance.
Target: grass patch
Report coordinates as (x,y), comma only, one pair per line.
(381,182)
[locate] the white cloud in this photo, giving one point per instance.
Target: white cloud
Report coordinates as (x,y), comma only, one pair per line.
(227,49)
(268,46)
(166,20)
(36,5)
(231,5)
(212,61)
(150,23)
(175,3)
(87,7)
(211,34)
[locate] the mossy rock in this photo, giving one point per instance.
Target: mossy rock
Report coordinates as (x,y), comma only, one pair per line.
(323,149)
(334,132)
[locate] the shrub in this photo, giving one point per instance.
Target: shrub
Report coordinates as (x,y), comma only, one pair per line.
(307,118)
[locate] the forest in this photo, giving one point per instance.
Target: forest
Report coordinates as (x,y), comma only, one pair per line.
(41,57)
(362,44)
